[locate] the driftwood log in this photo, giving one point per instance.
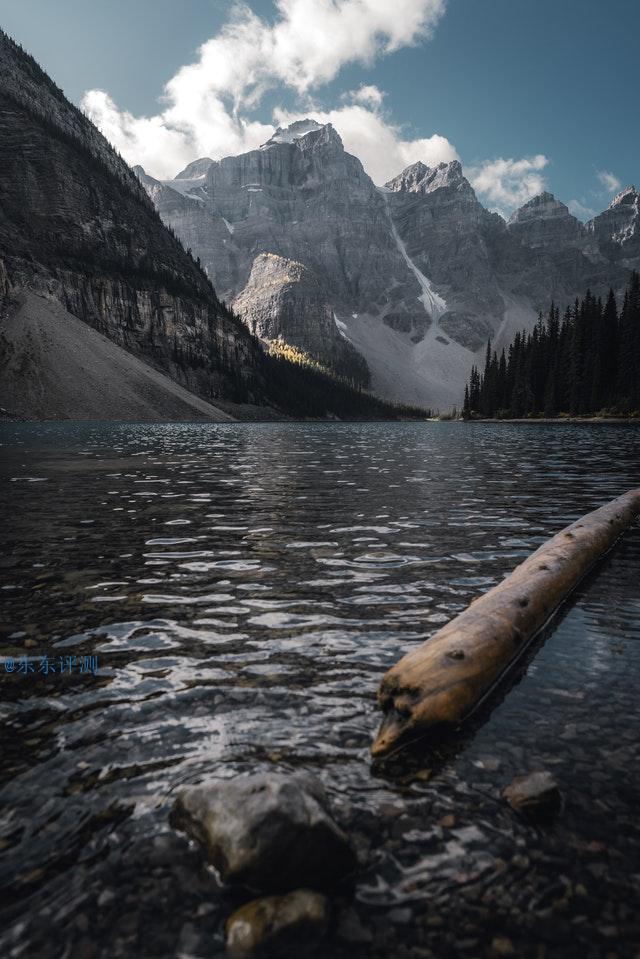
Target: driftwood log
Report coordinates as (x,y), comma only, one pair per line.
(441,681)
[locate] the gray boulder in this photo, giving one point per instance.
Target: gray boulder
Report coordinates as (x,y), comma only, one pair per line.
(277,925)
(536,794)
(267,831)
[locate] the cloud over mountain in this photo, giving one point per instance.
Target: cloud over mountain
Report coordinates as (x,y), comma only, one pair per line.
(209,103)
(210,107)
(509,183)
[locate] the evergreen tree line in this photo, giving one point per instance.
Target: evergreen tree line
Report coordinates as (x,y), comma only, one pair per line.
(584,363)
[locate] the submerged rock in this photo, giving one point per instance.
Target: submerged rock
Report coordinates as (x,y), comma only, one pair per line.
(277,924)
(351,929)
(267,831)
(534,794)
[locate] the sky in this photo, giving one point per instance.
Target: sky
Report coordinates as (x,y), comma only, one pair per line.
(528,94)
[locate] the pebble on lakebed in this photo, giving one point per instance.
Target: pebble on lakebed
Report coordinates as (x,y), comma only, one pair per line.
(269,832)
(277,923)
(536,794)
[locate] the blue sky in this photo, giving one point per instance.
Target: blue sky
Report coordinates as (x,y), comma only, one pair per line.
(530,94)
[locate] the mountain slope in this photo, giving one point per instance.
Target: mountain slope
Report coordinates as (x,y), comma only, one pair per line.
(54,366)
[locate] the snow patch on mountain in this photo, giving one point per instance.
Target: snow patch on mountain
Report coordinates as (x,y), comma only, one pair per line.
(186,187)
(433,303)
(622,195)
(293,132)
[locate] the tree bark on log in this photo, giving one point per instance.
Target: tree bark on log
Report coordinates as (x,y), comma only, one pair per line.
(441,681)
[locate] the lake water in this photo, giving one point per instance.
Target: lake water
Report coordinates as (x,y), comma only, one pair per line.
(244,588)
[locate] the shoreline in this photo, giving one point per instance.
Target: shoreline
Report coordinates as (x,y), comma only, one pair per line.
(238,409)
(560,419)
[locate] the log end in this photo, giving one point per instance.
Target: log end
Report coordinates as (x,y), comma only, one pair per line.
(411,711)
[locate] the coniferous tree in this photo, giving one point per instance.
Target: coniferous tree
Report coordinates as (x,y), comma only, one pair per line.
(587,363)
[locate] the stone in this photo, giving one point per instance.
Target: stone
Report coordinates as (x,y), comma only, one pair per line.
(267,831)
(351,929)
(277,925)
(501,946)
(535,794)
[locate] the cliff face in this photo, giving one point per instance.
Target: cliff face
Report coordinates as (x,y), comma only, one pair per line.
(450,238)
(283,300)
(77,227)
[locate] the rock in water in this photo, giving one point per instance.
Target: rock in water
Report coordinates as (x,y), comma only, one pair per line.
(535,794)
(276,925)
(267,831)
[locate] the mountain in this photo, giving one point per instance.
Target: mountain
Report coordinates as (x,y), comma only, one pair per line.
(77,229)
(83,251)
(417,274)
(545,223)
(616,231)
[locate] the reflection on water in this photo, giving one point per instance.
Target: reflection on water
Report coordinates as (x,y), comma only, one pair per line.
(244,587)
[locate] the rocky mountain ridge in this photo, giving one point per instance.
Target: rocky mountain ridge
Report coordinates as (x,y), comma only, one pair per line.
(78,228)
(418,274)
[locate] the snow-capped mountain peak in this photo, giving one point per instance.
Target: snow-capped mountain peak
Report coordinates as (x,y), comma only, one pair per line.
(420,178)
(293,132)
(195,170)
(627,196)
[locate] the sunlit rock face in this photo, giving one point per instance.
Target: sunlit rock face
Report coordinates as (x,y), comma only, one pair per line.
(284,301)
(416,274)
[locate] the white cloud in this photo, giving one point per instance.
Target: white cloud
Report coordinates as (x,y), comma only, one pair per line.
(208,102)
(369,96)
(314,39)
(208,107)
(376,142)
(508,184)
(164,148)
(610,182)
(581,210)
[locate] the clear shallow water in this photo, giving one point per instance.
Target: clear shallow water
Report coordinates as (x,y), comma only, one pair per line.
(244,588)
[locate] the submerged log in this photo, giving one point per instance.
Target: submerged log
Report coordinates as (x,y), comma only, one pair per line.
(439,683)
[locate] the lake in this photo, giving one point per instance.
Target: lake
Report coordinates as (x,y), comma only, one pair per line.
(218,599)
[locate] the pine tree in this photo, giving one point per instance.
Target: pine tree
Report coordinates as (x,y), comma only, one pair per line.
(466,406)
(585,363)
